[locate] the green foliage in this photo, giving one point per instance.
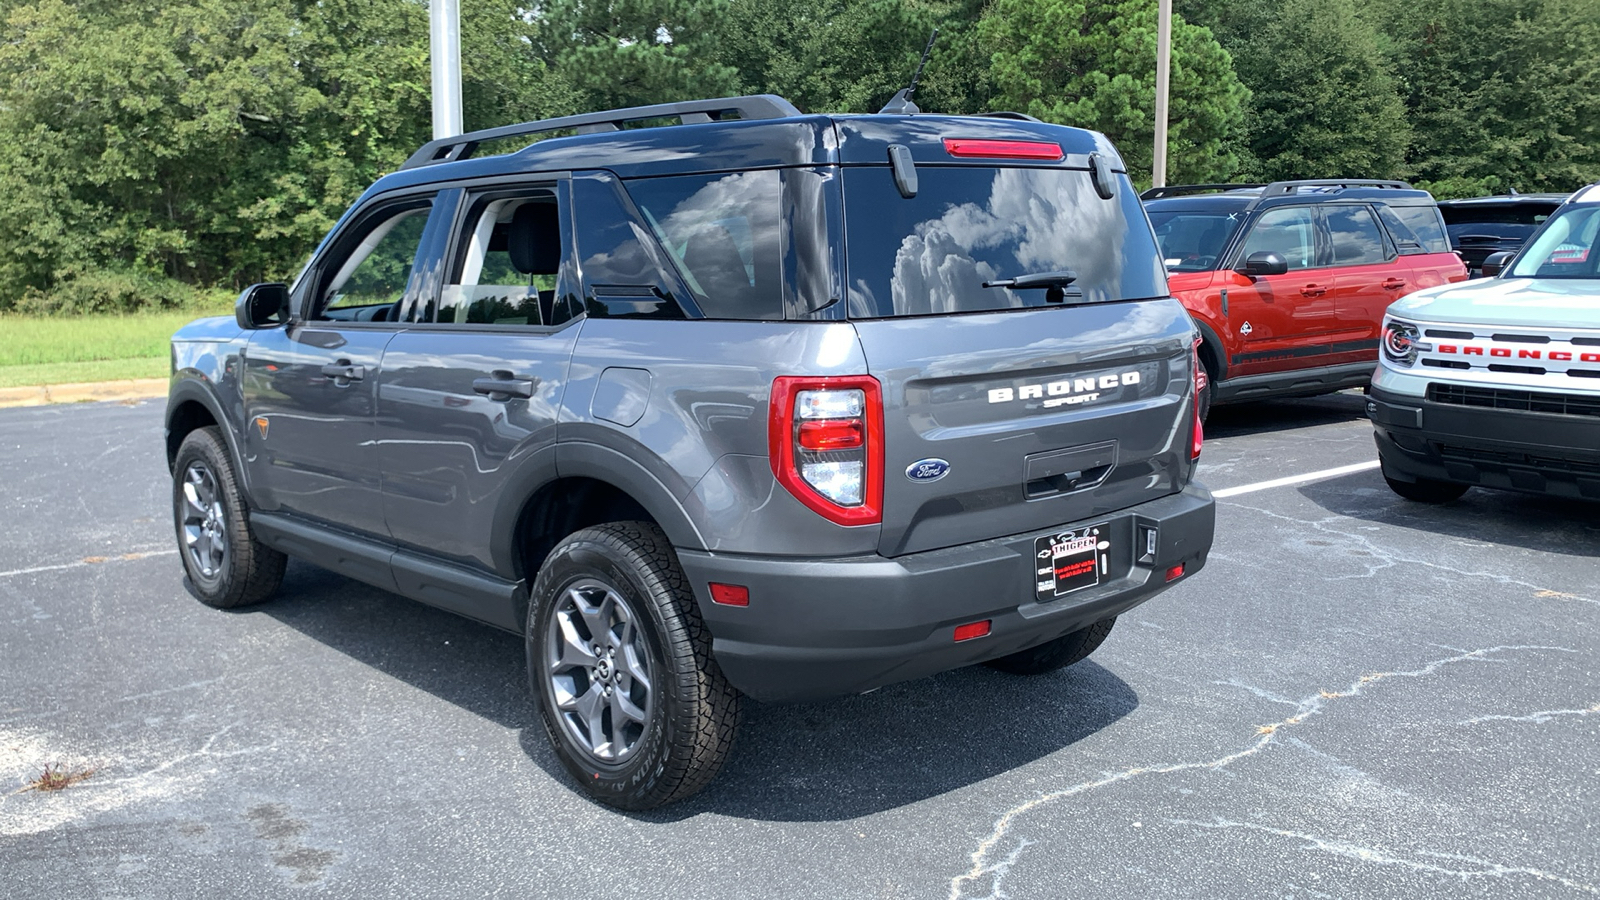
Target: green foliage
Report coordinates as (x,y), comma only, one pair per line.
(1325,102)
(618,53)
(112,291)
(1092,63)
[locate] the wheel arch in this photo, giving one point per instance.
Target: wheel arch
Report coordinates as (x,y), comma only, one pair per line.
(1212,350)
(191,405)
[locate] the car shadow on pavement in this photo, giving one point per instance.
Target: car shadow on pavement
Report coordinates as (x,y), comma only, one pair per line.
(1529,521)
(865,754)
(805,762)
(1235,420)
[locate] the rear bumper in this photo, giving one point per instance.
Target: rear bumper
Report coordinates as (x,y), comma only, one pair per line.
(824,627)
(1506,449)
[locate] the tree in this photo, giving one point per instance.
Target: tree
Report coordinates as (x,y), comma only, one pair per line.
(1092,63)
(1520,110)
(620,53)
(1325,101)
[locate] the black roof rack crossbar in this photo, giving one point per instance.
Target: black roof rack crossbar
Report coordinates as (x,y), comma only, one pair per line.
(1289,187)
(1180,190)
(692,112)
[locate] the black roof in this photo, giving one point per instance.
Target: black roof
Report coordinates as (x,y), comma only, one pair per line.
(1250,196)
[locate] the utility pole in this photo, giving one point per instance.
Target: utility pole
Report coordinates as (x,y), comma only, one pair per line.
(444,38)
(1163,77)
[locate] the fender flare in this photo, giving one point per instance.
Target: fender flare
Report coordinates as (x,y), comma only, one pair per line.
(192,389)
(586,460)
(1219,351)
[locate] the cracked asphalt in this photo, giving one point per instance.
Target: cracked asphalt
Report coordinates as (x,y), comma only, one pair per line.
(1359,697)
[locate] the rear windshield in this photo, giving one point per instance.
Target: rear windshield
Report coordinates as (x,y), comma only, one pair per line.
(1483,224)
(1425,223)
(1191,240)
(968,225)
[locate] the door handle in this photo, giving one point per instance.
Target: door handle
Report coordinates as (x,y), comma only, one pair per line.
(1394,284)
(504,387)
(344,371)
(1313,290)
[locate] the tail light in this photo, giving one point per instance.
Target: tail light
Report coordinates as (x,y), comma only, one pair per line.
(825,437)
(1198,379)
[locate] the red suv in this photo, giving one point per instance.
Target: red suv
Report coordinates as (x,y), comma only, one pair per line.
(1288,281)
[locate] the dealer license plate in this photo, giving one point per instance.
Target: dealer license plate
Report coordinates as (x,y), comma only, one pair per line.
(1070,561)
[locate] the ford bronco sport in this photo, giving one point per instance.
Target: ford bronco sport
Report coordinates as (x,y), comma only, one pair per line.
(1496,383)
(711,400)
(1287,282)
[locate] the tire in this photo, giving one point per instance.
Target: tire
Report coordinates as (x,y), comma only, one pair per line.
(614,636)
(1206,395)
(1056,654)
(1426,490)
(226,566)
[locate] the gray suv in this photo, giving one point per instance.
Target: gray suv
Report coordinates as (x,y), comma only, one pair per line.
(714,400)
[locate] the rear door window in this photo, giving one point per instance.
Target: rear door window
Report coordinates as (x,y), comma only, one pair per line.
(1356,238)
(970,225)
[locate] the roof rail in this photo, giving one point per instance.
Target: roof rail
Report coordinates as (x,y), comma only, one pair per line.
(1289,187)
(1180,190)
(692,112)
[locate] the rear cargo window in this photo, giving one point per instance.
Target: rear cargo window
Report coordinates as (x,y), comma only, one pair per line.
(1426,223)
(968,225)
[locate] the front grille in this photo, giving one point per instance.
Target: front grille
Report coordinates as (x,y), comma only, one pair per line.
(1525,401)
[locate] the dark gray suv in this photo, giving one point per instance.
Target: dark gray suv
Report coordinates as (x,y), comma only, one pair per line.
(713,400)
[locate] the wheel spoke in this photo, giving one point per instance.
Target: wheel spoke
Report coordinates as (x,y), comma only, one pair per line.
(591,707)
(574,650)
(191,495)
(634,667)
(624,710)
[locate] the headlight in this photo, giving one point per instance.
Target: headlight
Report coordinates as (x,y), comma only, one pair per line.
(1402,341)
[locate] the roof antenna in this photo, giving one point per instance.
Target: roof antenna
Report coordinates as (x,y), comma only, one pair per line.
(900,104)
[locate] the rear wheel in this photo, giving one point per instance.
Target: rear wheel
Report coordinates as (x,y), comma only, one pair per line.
(636,708)
(1206,388)
(1426,490)
(226,565)
(1056,654)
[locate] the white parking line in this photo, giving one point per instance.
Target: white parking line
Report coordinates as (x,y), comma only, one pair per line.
(89,561)
(1295,479)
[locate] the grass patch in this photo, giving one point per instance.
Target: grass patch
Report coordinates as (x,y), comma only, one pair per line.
(65,349)
(56,778)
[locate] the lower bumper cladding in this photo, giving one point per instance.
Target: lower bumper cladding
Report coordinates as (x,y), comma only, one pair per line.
(818,628)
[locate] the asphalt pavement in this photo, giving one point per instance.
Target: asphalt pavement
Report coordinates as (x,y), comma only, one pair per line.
(1358,697)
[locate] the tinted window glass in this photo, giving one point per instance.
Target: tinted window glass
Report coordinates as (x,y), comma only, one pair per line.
(968,225)
(1567,247)
(1289,231)
(722,232)
(371,278)
(1404,240)
(508,263)
(1192,241)
(623,272)
(1426,224)
(1355,235)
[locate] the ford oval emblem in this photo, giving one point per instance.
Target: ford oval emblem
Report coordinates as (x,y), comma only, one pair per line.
(927,470)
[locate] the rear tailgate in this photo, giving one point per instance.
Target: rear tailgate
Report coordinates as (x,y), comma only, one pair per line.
(1045,417)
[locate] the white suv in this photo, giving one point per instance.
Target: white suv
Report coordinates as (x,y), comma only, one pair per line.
(1496,382)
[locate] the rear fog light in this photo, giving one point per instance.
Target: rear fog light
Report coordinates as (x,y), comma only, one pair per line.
(1176,572)
(730,594)
(972,630)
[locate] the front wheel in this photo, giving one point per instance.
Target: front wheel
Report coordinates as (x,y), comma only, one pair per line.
(226,565)
(1056,654)
(636,708)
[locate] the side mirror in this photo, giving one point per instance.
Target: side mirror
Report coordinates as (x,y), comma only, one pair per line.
(1263,262)
(262,305)
(1495,263)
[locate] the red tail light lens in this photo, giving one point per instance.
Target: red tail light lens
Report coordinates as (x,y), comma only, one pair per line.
(972,630)
(1198,379)
(825,439)
(968,147)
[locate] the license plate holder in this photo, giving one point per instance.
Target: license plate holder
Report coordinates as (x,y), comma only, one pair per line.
(1070,560)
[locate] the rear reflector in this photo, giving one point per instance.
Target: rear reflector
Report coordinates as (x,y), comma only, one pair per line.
(1176,572)
(967,147)
(972,630)
(730,594)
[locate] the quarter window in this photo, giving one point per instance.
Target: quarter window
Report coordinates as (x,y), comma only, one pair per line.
(722,231)
(1288,231)
(1355,235)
